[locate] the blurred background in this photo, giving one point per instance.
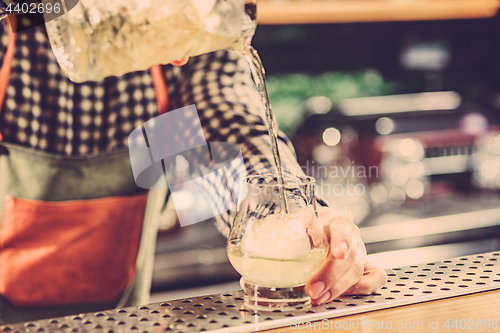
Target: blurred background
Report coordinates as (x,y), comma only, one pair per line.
(394,107)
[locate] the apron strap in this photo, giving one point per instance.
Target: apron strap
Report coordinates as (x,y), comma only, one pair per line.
(160,88)
(6,66)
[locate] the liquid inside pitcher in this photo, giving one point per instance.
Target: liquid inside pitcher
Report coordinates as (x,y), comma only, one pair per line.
(97,39)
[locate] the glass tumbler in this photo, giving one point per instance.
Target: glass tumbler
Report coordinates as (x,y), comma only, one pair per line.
(277,252)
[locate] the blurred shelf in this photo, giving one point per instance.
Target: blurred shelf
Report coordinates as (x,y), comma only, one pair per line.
(343,11)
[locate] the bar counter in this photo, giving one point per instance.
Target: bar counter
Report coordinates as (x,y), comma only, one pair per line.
(434,316)
(456,294)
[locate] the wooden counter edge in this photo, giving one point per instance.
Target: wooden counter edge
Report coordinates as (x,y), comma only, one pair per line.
(478,306)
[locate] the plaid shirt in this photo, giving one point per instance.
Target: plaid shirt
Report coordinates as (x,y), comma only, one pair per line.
(44,110)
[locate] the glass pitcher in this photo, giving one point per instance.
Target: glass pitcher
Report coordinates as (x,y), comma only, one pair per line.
(3,10)
(276,253)
(97,38)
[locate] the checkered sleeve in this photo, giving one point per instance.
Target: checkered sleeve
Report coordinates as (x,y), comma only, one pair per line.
(219,84)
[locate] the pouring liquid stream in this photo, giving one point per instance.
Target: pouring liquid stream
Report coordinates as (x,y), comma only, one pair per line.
(259,77)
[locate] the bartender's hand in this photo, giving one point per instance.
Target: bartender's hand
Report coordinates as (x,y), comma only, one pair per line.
(346,269)
(180,62)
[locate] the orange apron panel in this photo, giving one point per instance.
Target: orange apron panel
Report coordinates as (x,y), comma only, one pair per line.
(56,253)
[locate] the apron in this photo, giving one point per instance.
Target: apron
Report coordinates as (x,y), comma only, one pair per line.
(76,233)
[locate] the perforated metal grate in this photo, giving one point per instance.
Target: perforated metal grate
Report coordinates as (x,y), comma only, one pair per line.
(226,312)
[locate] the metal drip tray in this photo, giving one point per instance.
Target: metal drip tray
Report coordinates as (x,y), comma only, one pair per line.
(227,313)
